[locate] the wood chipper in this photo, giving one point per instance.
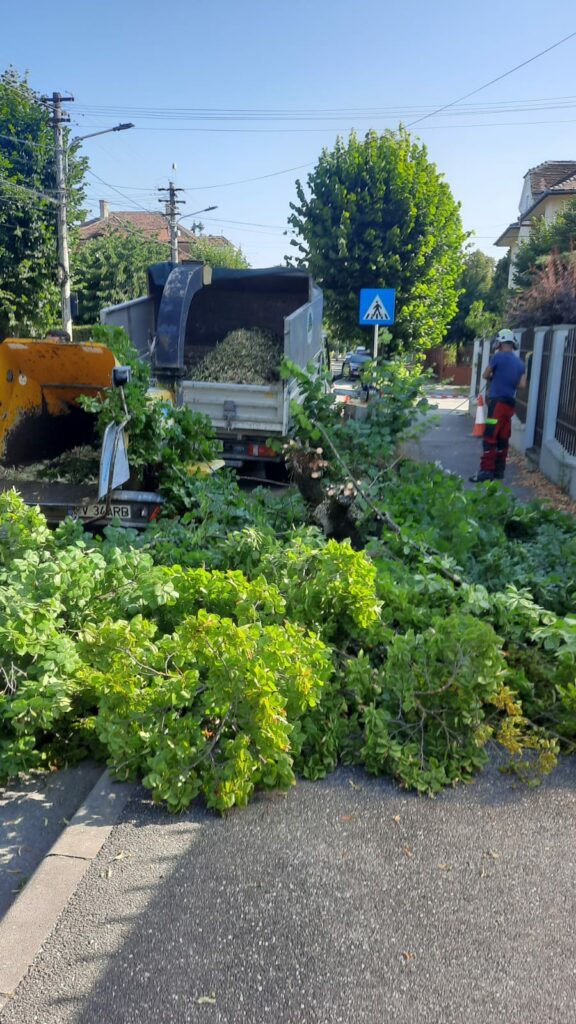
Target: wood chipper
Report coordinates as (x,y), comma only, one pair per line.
(41,381)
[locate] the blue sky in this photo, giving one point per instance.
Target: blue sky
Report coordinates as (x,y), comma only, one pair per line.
(312,69)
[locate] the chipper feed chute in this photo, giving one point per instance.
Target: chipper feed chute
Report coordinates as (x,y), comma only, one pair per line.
(40,382)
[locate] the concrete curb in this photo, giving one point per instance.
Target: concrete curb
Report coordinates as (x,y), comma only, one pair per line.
(31,918)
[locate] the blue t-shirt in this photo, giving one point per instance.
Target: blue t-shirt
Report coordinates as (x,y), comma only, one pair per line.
(508,370)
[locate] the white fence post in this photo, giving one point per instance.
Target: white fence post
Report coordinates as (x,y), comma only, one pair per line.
(485,358)
(475,359)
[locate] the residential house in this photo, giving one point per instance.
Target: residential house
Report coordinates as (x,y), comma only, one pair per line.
(153,225)
(547,188)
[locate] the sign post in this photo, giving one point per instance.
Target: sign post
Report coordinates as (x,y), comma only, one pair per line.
(377,308)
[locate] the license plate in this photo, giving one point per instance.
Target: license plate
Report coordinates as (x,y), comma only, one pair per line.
(97,510)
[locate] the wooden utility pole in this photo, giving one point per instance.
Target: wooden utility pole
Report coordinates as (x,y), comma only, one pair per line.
(172,204)
(59,117)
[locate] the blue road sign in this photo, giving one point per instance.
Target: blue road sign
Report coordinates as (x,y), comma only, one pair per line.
(377,306)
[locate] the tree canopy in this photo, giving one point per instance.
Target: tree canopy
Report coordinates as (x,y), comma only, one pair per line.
(557,237)
(216,254)
(483,288)
(112,267)
(377,213)
(29,297)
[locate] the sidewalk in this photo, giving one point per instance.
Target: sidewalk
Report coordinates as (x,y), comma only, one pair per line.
(33,813)
(449,442)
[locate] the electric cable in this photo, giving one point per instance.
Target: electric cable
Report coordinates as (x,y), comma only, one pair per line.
(24,188)
(492,81)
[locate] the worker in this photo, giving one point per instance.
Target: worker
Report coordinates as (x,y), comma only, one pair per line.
(505,373)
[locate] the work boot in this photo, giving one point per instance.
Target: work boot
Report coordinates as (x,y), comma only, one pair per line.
(481,477)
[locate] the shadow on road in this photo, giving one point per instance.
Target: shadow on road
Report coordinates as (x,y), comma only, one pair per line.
(346,900)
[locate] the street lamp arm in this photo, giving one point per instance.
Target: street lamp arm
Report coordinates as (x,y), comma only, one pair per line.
(118,128)
(205,210)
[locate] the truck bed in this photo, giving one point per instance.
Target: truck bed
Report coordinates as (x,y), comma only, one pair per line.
(261,409)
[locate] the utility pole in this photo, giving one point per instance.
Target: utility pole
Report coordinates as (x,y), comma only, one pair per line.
(171,213)
(59,117)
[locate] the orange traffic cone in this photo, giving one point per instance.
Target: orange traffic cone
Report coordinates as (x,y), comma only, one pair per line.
(480,421)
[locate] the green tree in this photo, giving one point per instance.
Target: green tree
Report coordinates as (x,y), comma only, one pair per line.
(474,284)
(112,269)
(216,254)
(558,236)
(480,322)
(29,297)
(378,213)
(499,291)
(483,299)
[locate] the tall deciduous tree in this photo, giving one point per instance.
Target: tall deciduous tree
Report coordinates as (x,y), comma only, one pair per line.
(112,268)
(376,212)
(474,285)
(29,297)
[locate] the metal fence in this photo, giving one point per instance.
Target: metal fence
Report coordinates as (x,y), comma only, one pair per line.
(526,349)
(566,418)
(542,389)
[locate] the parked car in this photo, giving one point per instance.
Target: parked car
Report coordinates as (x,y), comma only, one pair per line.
(354,362)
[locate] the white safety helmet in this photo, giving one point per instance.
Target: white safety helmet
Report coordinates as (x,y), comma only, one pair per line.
(505,337)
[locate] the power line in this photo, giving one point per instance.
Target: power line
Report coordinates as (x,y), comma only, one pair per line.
(24,142)
(216,113)
(117,190)
(226,184)
(340,129)
(492,81)
(247,223)
(30,191)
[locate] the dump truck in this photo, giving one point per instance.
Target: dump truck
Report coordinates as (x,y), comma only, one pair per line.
(187,313)
(190,309)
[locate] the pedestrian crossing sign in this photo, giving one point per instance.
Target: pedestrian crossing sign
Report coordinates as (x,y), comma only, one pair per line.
(377,306)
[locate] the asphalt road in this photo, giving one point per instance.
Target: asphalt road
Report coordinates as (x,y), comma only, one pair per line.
(346,900)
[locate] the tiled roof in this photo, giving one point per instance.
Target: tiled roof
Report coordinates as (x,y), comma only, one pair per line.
(567,184)
(154,225)
(549,174)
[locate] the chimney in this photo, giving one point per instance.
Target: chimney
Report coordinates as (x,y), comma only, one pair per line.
(104,210)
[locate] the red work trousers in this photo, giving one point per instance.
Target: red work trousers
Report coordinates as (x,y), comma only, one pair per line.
(496,437)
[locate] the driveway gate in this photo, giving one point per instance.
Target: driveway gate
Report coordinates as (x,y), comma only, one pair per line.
(566,418)
(542,389)
(526,349)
